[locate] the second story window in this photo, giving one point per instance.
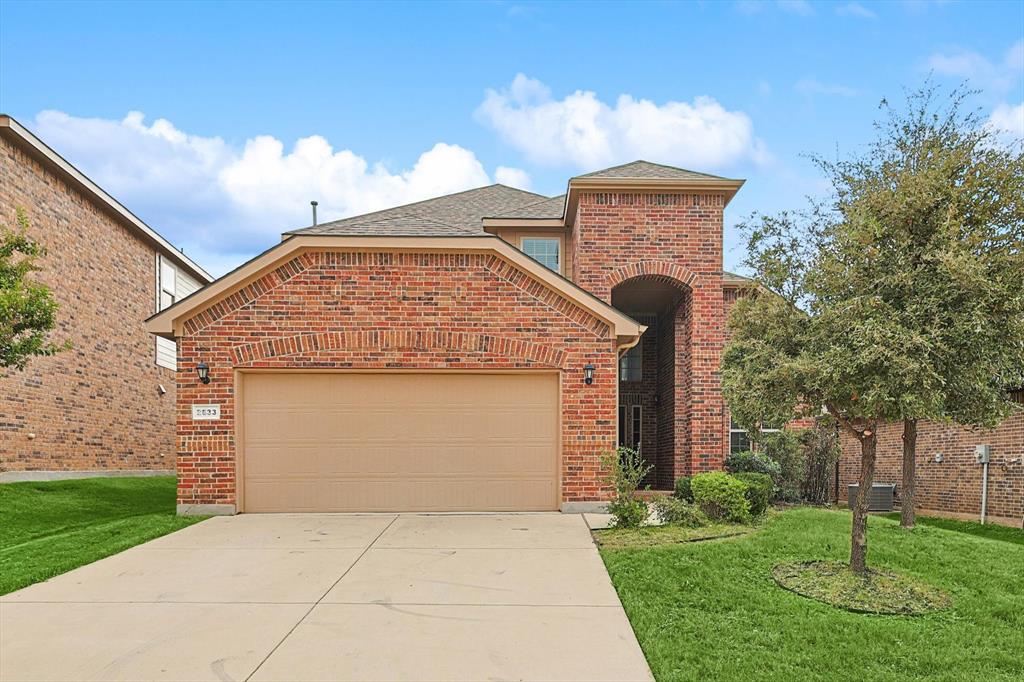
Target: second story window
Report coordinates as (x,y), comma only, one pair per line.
(546,251)
(631,365)
(168,284)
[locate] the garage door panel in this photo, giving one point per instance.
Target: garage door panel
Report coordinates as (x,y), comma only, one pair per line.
(393,442)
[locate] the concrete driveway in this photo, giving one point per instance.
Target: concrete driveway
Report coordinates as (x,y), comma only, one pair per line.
(332,597)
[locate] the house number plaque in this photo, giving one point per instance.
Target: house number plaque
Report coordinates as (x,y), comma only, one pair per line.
(206,411)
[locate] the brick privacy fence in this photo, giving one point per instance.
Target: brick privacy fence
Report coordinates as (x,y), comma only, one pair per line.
(673,237)
(339,310)
(952,486)
(96,406)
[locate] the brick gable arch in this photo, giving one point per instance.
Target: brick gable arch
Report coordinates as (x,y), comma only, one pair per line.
(514,350)
(665,271)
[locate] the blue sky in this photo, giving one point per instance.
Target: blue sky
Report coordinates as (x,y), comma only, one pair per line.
(216,123)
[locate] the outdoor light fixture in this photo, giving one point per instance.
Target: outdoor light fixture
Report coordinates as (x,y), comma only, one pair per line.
(204,372)
(588,374)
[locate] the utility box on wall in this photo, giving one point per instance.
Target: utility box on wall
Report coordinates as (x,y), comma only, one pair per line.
(982,454)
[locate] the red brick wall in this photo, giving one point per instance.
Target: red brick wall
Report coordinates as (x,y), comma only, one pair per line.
(677,237)
(96,406)
(666,399)
(953,485)
(394,311)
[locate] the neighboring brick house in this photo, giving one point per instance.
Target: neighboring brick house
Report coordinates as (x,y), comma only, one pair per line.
(949,480)
(107,405)
(476,351)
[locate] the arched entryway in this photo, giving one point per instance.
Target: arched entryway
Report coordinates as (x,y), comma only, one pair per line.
(654,376)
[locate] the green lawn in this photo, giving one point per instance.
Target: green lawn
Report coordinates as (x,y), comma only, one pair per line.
(989,530)
(49,528)
(710,610)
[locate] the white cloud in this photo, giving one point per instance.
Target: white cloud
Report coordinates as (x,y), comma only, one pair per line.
(855,9)
(999,76)
(583,131)
(1009,119)
(223,203)
(513,177)
(810,86)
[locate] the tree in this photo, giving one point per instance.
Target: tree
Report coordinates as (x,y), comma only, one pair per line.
(27,309)
(942,195)
(900,299)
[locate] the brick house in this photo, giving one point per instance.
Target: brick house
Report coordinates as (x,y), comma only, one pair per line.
(477,351)
(107,405)
(949,479)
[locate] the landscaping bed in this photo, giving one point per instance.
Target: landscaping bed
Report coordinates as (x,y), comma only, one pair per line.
(712,610)
(880,592)
(51,527)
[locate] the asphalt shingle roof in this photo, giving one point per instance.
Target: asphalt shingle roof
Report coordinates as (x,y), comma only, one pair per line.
(461,213)
(546,208)
(646,169)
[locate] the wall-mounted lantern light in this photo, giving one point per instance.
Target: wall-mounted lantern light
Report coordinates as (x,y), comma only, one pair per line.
(588,374)
(204,372)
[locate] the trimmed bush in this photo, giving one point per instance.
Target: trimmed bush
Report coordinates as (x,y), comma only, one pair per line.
(755,462)
(676,512)
(683,491)
(760,489)
(721,496)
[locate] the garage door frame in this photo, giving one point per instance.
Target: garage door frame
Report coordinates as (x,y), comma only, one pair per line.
(239,409)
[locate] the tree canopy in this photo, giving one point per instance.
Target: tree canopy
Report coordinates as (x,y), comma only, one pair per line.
(27,308)
(900,297)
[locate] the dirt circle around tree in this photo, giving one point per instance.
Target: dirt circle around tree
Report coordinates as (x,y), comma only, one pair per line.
(880,592)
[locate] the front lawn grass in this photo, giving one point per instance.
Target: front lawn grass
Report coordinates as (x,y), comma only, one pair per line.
(711,610)
(988,530)
(653,536)
(51,527)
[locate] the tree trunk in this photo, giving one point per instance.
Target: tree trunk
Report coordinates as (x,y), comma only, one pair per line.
(858,535)
(907,500)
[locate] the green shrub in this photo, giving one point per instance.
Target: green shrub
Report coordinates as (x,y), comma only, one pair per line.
(785,448)
(821,452)
(755,462)
(760,489)
(628,512)
(683,491)
(625,469)
(677,512)
(721,496)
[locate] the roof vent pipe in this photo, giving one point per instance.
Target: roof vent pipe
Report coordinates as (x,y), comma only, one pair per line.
(314,205)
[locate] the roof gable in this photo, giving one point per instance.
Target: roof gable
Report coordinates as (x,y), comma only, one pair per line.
(57,164)
(652,171)
(285,257)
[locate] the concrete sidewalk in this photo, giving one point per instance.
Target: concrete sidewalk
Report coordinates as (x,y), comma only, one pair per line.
(332,597)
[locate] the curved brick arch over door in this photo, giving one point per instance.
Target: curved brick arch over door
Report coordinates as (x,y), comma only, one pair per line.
(658,270)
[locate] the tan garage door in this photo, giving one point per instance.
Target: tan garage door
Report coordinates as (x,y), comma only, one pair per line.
(450,441)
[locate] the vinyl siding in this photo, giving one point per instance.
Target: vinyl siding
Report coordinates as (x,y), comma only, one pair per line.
(167,350)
